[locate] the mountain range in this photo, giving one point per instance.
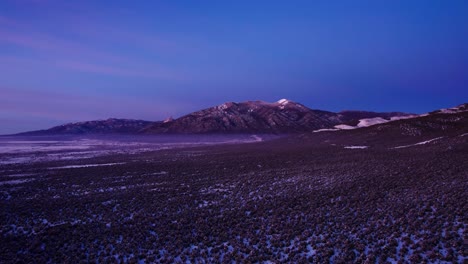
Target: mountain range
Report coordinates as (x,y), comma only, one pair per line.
(281,117)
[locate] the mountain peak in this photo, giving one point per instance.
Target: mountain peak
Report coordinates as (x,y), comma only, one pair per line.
(225,105)
(280,117)
(283,101)
(169,119)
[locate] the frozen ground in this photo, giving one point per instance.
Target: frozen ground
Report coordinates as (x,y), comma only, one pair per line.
(284,201)
(15,150)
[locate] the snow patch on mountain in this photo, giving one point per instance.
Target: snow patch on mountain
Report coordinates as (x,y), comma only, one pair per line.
(223,107)
(282,103)
(454,110)
(395,118)
(169,119)
(367,122)
(344,127)
(371,121)
(325,130)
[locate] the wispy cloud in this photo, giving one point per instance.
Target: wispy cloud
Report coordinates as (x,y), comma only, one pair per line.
(89,46)
(51,45)
(41,103)
(150,42)
(152,72)
(5,21)
(73,56)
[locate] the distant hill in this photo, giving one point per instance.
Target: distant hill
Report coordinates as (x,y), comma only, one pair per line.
(437,126)
(108,126)
(353,117)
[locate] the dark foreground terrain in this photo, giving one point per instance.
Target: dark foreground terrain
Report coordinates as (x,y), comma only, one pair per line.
(287,200)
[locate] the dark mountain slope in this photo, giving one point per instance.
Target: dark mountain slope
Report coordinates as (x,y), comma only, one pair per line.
(425,129)
(109,126)
(283,116)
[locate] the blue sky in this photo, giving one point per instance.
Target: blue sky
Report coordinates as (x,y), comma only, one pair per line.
(64,61)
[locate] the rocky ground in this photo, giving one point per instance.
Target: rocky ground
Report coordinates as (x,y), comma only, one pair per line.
(299,199)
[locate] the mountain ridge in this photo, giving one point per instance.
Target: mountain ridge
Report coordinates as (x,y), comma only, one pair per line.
(281,117)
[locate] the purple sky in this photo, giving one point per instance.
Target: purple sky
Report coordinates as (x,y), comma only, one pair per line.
(67,61)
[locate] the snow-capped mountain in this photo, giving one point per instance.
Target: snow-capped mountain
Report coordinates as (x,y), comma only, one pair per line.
(283,116)
(108,126)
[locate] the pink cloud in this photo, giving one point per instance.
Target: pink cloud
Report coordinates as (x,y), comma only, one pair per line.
(7,21)
(42,42)
(20,34)
(74,56)
(152,43)
(150,72)
(75,107)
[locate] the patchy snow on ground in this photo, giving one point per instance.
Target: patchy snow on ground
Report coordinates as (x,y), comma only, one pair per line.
(86,165)
(25,146)
(14,160)
(356,147)
(13,151)
(22,175)
(419,143)
(11,182)
(257,138)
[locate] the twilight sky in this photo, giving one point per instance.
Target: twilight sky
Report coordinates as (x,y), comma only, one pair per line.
(67,61)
